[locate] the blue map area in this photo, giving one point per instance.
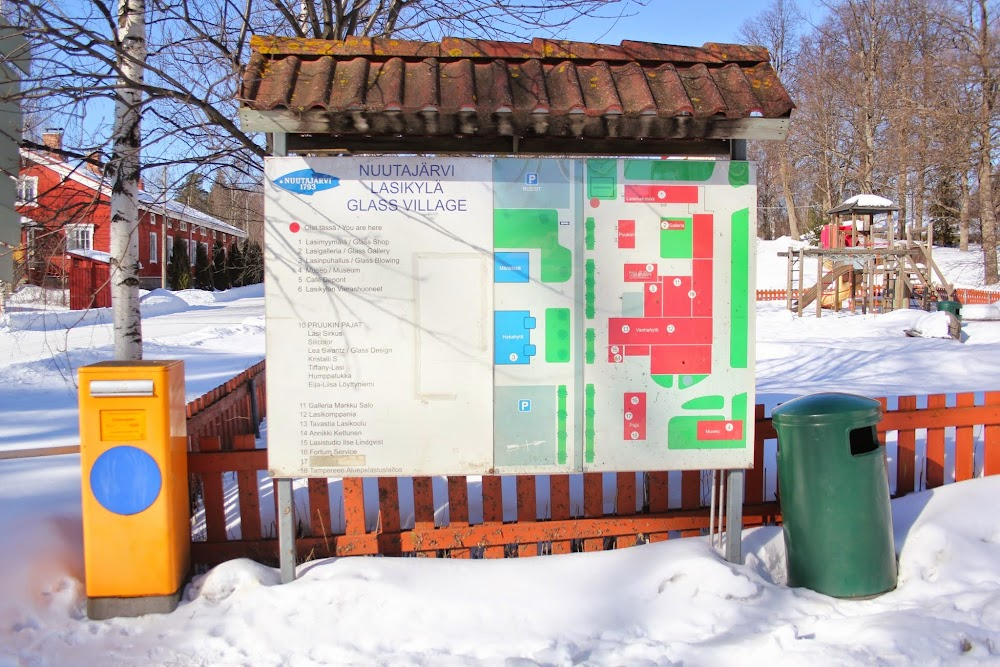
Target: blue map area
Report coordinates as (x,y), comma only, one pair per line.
(512,337)
(510,267)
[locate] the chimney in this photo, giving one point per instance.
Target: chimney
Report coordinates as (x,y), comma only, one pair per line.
(93,164)
(52,138)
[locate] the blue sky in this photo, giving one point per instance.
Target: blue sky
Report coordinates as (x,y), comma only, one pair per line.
(682,22)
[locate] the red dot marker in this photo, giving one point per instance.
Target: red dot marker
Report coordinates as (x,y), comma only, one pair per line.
(294,227)
(595,202)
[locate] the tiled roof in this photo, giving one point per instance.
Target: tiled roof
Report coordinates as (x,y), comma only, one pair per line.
(477,88)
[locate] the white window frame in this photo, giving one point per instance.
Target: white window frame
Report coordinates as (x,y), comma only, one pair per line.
(27,191)
(192,250)
(170,248)
(154,249)
(71,236)
(184,226)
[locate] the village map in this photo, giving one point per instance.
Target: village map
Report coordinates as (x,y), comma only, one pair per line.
(473,315)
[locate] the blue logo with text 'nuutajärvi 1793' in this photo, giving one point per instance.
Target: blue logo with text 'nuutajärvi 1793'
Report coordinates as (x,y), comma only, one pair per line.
(306,182)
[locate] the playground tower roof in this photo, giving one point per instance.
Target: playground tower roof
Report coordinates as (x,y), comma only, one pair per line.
(864,205)
(542,97)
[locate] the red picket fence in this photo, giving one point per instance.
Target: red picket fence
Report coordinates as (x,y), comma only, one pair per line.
(527,515)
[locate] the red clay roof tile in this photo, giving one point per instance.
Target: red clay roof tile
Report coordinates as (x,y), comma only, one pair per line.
(458,86)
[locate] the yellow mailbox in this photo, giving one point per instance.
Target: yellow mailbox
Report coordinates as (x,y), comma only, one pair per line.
(133,460)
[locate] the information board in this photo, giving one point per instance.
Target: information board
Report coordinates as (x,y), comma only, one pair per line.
(475,315)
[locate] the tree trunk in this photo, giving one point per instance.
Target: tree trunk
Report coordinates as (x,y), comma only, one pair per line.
(987,214)
(964,213)
(786,189)
(124,173)
(987,91)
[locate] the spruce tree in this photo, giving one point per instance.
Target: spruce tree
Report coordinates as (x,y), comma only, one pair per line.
(254,258)
(220,277)
(202,268)
(234,265)
(179,267)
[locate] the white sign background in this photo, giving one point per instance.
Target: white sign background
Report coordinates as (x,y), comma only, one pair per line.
(378,308)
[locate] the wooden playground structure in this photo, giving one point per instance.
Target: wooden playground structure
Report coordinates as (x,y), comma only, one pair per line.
(873,266)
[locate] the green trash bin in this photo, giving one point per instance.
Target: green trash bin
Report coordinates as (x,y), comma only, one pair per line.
(834,495)
(953,307)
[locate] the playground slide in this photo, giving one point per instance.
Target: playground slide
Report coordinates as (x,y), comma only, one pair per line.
(828,278)
(831,300)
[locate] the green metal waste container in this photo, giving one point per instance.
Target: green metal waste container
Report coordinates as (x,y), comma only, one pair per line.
(953,307)
(834,495)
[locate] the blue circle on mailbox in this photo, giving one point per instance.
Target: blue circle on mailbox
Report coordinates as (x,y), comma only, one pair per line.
(125,480)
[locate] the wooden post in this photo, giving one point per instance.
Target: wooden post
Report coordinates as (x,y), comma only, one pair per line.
(802,287)
(791,278)
(819,285)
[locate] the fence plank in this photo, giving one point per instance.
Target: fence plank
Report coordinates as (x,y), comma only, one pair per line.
(354,506)
(527,512)
(906,450)
(690,494)
(659,498)
(249,493)
(755,476)
(458,509)
(593,505)
(212,495)
(493,513)
(625,504)
(560,510)
(388,513)
(319,509)
(964,446)
(991,439)
(423,508)
(934,465)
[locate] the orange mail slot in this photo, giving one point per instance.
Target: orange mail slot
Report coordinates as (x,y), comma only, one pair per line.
(133,461)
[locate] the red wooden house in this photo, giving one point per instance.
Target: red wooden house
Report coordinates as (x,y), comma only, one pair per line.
(65,213)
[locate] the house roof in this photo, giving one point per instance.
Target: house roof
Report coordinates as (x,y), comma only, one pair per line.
(865,204)
(468,93)
(80,173)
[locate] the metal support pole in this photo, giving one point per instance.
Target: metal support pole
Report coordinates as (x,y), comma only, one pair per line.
(286,530)
(734,516)
(738,149)
(711,514)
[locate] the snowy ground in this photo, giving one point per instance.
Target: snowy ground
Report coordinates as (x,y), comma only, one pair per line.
(668,603)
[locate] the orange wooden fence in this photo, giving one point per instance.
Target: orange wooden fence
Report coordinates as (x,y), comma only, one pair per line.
(927,447)
(227,411)
(976,296)
(963,295)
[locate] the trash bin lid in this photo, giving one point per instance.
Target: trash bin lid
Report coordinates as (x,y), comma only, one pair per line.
(826,408)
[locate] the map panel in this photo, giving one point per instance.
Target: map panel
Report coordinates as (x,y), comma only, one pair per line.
(537,322)
(474,316)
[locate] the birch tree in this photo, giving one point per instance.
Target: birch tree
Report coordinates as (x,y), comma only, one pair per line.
(123,171)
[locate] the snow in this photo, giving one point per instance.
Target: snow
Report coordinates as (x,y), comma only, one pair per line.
(868,201)
(667,603)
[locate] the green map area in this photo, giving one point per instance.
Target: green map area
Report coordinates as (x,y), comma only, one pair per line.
(534,228)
